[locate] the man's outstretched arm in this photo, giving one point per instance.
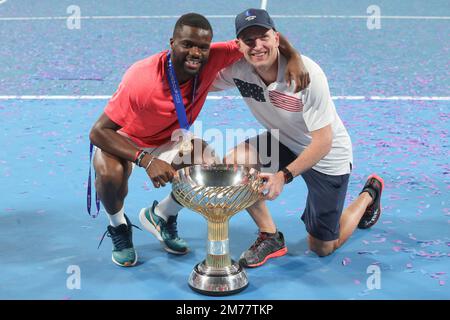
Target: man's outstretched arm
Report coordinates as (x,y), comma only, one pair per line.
(295,69)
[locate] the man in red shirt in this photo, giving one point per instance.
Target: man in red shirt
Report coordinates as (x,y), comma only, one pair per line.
(139,121)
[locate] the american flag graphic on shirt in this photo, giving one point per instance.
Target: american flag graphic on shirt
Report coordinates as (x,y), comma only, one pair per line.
(250,90)
(286,102)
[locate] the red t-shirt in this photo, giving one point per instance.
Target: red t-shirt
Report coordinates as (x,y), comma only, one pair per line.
(143,105)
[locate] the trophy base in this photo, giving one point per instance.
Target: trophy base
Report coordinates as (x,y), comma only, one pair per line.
(218,281)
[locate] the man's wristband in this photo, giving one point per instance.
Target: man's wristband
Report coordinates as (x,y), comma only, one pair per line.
(288,177)
(137,155)
(139,158)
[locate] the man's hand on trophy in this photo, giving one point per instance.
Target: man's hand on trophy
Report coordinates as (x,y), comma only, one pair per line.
(273,185)
(160,172)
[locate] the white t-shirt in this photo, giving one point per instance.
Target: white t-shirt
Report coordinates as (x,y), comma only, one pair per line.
(295,114)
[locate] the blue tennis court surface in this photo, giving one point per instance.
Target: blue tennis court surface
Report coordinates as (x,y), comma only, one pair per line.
(404,137)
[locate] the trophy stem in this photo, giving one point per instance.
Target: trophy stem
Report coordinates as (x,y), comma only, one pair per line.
(218,252)
(218,275)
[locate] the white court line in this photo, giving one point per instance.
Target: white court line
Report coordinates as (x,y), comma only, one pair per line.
(106,97)
(229,17)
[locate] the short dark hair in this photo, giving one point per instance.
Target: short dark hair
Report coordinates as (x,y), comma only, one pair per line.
(192,20)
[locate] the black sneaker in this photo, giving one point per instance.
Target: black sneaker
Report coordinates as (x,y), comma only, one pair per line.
(266,246)
(374,186)
(123,253)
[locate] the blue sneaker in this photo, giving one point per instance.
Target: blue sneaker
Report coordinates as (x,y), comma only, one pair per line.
(165,232)
(123,253)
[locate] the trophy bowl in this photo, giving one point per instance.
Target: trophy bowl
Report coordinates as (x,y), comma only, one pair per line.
(217,192)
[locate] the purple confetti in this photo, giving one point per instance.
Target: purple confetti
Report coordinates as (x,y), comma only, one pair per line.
(346,261)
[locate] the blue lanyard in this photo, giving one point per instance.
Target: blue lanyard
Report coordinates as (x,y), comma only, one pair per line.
(176,94)
(89,189)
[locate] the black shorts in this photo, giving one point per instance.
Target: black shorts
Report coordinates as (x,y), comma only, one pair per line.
(326,193)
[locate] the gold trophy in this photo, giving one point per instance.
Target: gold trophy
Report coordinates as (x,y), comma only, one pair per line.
(217,192)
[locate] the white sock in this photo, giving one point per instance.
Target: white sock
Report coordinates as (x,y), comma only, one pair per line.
(118,218)
(167,207)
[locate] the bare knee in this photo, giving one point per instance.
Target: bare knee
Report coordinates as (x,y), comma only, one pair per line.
(111,176)
(322,252)
(202,153)
(321,248)
(243,154)
(207,156)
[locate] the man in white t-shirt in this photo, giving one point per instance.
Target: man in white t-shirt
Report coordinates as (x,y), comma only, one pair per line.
(305,137)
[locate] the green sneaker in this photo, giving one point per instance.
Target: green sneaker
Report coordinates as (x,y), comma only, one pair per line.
(165,232)
(123,253)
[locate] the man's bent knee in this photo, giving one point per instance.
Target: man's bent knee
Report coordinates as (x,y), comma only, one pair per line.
(201,153)
(207,155)
(321,248)
(109,178)
(243,154)
(110,173)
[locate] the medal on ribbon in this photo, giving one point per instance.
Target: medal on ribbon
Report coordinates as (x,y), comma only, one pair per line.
(186,144)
